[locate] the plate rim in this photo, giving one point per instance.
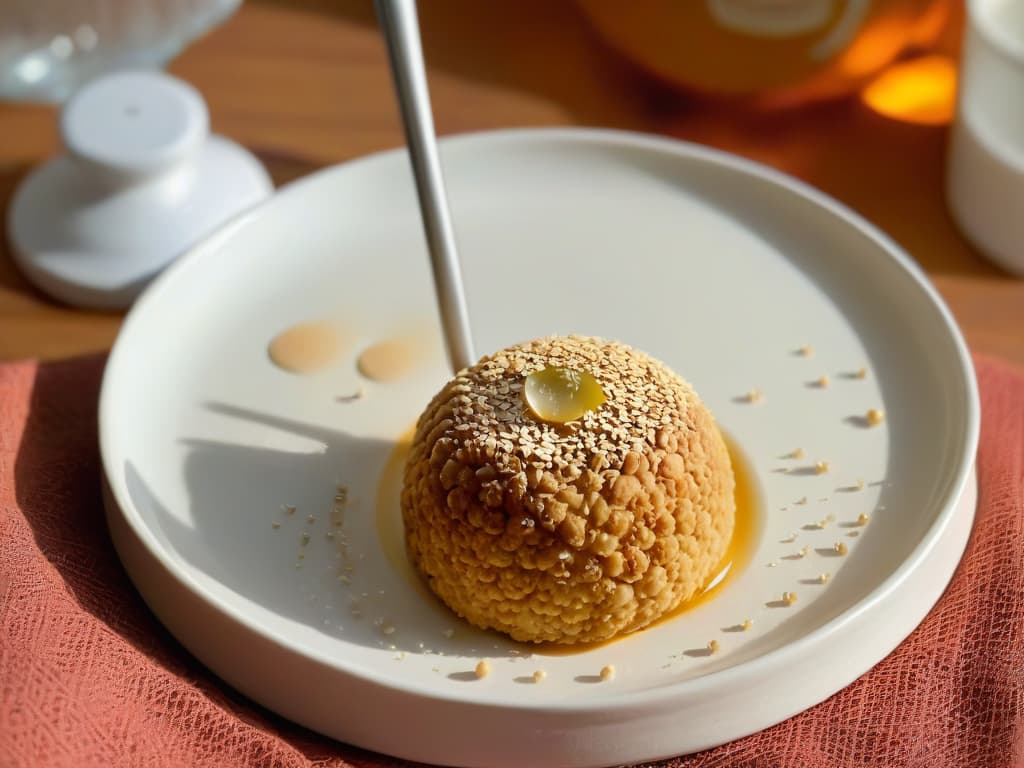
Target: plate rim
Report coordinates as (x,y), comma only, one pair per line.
(774,660)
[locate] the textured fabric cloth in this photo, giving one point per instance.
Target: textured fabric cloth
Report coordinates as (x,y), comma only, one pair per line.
(89,678)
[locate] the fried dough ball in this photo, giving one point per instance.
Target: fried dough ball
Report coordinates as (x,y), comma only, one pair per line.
(567,533)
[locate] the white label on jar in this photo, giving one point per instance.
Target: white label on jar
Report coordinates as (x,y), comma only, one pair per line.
(772,18)
(789,18)
(844,31)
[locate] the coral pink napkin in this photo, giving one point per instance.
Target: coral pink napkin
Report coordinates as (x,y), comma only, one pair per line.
(89,678)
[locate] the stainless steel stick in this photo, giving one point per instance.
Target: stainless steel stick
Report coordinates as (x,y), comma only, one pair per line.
(401,30)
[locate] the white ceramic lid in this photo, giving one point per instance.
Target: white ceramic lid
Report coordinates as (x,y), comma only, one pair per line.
(142,181)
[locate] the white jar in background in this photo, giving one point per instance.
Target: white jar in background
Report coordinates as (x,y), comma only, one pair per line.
(985,179)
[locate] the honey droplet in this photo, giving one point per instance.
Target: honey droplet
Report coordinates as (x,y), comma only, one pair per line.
(561,395)
(387,360)
(306,348)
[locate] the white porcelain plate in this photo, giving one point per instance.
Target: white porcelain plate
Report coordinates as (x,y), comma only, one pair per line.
(720,267)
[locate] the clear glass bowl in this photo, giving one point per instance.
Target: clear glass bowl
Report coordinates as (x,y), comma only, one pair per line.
(50,47)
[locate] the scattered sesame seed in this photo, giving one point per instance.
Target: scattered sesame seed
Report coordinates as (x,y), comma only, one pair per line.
(802,500)
(304,539)
(821,467)
(822,381)
(862,518)
(608,672)
(804,551)
(859,485)
(329,535)
(539,675)
(772,564)
(796,453)
(822,523)
(483,669)
(841,548)
(823,578)
(747,624)
(388,629)
(357,395)
(275,525)
(289,509)
(310,518)
(875,417)
(806,351)
(449,633)
(712,646)
(754,395)
(789,597)
(861,373)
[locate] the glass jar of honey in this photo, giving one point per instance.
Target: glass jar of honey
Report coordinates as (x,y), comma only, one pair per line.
(776,52)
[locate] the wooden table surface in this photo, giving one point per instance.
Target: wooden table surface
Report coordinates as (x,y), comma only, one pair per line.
(305,84)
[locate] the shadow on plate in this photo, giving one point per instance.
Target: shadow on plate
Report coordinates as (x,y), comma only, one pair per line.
(269,526)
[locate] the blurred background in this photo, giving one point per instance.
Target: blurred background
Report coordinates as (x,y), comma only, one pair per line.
(854,96)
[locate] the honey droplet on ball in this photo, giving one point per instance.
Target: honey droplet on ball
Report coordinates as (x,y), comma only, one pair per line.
(561,395)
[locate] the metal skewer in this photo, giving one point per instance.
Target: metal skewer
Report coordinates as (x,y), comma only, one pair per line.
(401,30)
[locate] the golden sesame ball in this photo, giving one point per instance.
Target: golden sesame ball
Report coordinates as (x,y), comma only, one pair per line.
(575,532)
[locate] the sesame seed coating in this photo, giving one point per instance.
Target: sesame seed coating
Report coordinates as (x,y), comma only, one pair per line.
(567,532)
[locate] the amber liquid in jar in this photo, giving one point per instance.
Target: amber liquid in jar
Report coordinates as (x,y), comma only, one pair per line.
(777,53)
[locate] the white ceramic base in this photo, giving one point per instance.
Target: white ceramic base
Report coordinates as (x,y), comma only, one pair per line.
(716,265)
(142,182)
